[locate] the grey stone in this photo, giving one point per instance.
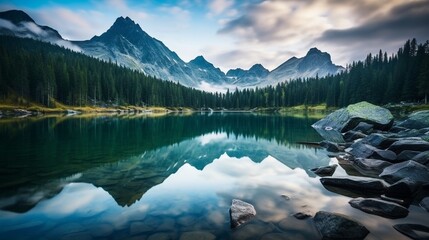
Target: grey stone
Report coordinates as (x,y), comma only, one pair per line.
(422,158)
(351,135)
(362,150)
(325,171)
(408,144)
(403,188)
(241,212)
(413,231)
(197,235)
(379,207)
(378,140)
(330,146)
(415,171)
(417,120)
(425,203)
(357,183)
(301,215)
(363,127)
(407,155)
(338,226)
(342,120)
(253,230)
(373,165)
(139,227)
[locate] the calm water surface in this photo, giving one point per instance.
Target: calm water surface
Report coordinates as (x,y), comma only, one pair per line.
(170,177)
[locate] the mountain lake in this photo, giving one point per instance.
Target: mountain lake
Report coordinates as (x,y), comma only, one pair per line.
(168,177)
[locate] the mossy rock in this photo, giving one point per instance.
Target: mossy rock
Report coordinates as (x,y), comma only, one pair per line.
(348,118)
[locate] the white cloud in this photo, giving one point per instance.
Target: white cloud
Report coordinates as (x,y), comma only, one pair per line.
(219,6)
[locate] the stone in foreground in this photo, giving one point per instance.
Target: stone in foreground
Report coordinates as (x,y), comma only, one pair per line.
(357,183)
(422,158)
(301,215)
(338,226)
(413,231)
(425,203)
(342,120)
(325,171)
(404,188)
(379,207)
(415,171)
(241,212)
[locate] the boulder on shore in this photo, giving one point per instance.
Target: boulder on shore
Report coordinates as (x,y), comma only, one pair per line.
(375,166)
(338,226)
(417,120)
(415,171)
(325,171)
(409,144)
(241,212)
(362,150)
(425,203)
(358,183)
(404,188)
(342,120)
(379,207)
(413,231)
(422,158)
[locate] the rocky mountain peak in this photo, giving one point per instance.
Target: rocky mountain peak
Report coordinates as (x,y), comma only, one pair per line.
(16,16)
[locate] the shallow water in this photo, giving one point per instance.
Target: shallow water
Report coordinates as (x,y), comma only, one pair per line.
(171,177)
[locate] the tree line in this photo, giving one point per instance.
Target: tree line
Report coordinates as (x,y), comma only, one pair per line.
(42,73)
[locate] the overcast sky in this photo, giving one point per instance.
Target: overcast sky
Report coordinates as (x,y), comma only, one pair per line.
(238,33)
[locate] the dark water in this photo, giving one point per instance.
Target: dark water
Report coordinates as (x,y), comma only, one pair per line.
(169,177)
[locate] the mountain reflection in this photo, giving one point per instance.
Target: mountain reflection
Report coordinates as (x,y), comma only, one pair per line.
(126,156)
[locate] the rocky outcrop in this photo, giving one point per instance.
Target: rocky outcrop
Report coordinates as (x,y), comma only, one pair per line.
(417,120)
(379,207)
(407,144)
(412,170)
(413,231)
(356,183)
(338,226)
(425,203)
(241,212)
(325,171)
(348,118)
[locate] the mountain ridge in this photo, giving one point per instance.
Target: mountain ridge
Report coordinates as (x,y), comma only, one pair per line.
(127,44)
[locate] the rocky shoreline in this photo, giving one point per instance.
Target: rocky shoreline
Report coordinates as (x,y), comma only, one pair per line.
(391,156)
(387,161)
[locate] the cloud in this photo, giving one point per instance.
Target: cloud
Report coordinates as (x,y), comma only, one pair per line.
(333,25)
(219,6)
(177,12)
(386,32)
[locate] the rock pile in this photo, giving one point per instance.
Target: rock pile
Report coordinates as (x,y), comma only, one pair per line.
(392,156)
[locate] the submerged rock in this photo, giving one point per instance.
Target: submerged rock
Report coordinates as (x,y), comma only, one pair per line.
(417,120)
(348,118)
(413,231)
(241,212)
(379,207)
(301,215)
(415,171)
(357,183)
(325,171)
(338,226)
